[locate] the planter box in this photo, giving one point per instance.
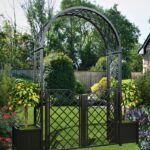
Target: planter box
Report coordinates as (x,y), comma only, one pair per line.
(128,132)
(26,139)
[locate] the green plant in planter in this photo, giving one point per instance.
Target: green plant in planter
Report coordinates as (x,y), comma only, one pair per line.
(24,94)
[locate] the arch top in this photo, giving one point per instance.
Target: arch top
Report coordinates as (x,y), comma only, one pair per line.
(101,23)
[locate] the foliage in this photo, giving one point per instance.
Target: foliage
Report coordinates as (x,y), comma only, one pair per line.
(127,31)
(126,71)
(143,85)
(130,95)
(142,115)
(6,83)
(38,13)
(24,94)
(59,72)
(15,48)
(100,65)
(7,120)
(100,88)
(79,88)
(135,60)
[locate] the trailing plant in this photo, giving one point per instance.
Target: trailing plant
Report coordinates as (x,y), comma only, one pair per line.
(24,94)
(142,115)
(7,120)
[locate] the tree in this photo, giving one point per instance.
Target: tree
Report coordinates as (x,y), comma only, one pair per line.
(127,31)
(100,65)
(14,48)
(38,14)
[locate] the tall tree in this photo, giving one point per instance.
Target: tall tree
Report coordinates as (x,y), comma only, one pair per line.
(12,53)
(38,12)
(127,31)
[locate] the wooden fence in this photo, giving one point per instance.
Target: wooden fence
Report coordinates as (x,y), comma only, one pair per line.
(87,78)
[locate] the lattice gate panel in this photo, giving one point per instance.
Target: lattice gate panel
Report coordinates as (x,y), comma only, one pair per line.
(63,119)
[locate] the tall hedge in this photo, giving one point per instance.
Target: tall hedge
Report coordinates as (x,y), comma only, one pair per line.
(59,72)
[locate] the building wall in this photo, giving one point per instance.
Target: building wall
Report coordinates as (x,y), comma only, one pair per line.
(146,59)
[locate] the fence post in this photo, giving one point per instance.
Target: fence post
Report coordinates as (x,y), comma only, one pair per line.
(83,121)
(47,123)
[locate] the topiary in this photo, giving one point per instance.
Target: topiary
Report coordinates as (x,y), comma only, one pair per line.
(59,72)
(143,85)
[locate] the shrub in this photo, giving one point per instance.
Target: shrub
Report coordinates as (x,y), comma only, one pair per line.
(100,88)
(143,85)
(59,72)
(6,83)
(79,88)
(130,94)
(7,120)
(100,65)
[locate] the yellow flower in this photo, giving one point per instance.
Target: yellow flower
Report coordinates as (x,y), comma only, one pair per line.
(10,108)
(9,103)
(20,102)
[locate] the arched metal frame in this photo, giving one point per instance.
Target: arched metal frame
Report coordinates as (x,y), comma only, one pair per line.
(109,36)
(100,22)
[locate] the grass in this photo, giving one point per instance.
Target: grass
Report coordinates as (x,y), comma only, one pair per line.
(65,132)
(115,147)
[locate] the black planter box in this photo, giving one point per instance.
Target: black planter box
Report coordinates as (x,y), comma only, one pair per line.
(125,132)
(26,139)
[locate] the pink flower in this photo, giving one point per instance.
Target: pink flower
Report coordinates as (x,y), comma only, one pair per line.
(5,145)
(5,116)
(7,139)
(1,138)
(13,113)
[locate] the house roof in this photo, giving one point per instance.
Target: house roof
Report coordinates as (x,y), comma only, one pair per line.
(142,50)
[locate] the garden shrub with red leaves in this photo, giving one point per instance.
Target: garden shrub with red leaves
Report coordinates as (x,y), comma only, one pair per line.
(7,120)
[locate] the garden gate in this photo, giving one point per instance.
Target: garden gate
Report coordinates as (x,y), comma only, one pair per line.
(69,120)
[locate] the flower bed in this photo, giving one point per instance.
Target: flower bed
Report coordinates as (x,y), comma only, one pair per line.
(142,115)
(7,120)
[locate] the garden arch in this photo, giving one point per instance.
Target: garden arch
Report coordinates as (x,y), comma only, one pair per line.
(112,109)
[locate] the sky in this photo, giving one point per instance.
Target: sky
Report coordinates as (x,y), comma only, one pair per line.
(137,11)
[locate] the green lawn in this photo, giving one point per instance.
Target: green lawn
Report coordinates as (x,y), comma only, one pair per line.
(116,147)
(65,120)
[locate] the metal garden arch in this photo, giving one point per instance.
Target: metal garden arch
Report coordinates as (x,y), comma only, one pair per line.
(112,110)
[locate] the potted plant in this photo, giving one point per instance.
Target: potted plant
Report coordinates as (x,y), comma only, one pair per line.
(24,95)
